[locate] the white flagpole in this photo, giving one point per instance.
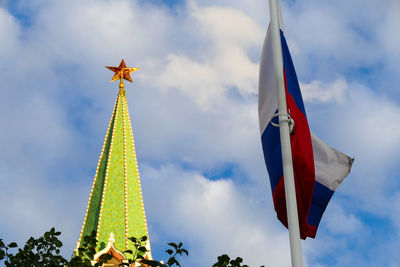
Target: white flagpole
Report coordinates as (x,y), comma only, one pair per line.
(290,192)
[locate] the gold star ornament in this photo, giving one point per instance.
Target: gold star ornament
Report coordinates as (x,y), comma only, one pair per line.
(122,72)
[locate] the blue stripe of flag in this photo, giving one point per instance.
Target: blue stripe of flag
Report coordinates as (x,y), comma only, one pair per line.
(292,82)
(320,200)
(271,143)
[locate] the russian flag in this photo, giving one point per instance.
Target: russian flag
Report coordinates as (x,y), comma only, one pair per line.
(318,168)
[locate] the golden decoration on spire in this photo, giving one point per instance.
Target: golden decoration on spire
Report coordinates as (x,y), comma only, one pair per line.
(122,72)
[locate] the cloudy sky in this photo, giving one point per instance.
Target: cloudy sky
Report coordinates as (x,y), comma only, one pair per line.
(194,111)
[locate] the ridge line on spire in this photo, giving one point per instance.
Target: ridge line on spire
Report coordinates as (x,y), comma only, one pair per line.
(124,105)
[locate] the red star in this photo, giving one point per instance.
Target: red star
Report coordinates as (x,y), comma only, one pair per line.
(122,71)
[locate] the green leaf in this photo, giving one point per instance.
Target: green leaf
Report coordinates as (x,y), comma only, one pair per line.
(12,245)
(238,260)
(169,251)
(152,263)
(143,238)
(128,251)
(133,239)
(47,235)
(142,249)
(171,261)
(58,243)
(172,244)
(2,254)
(185,251)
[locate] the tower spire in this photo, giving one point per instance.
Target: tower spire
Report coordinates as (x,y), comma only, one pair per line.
(115,204)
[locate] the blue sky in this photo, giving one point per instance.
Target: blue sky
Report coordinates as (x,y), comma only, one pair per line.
(194,111)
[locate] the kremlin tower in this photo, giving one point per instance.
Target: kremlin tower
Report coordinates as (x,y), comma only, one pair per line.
(115,210)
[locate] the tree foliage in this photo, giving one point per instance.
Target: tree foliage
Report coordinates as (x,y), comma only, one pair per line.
(45,252)
(225,261)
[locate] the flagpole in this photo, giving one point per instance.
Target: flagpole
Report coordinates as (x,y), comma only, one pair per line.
(290,192)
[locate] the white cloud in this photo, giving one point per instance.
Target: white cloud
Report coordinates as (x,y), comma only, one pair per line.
(199,82)
(9,32)
(224,64)
(333,38)
(232,41)
(317,91)
(338,222)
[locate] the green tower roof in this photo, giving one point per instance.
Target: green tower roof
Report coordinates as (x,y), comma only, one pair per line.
(115,201)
